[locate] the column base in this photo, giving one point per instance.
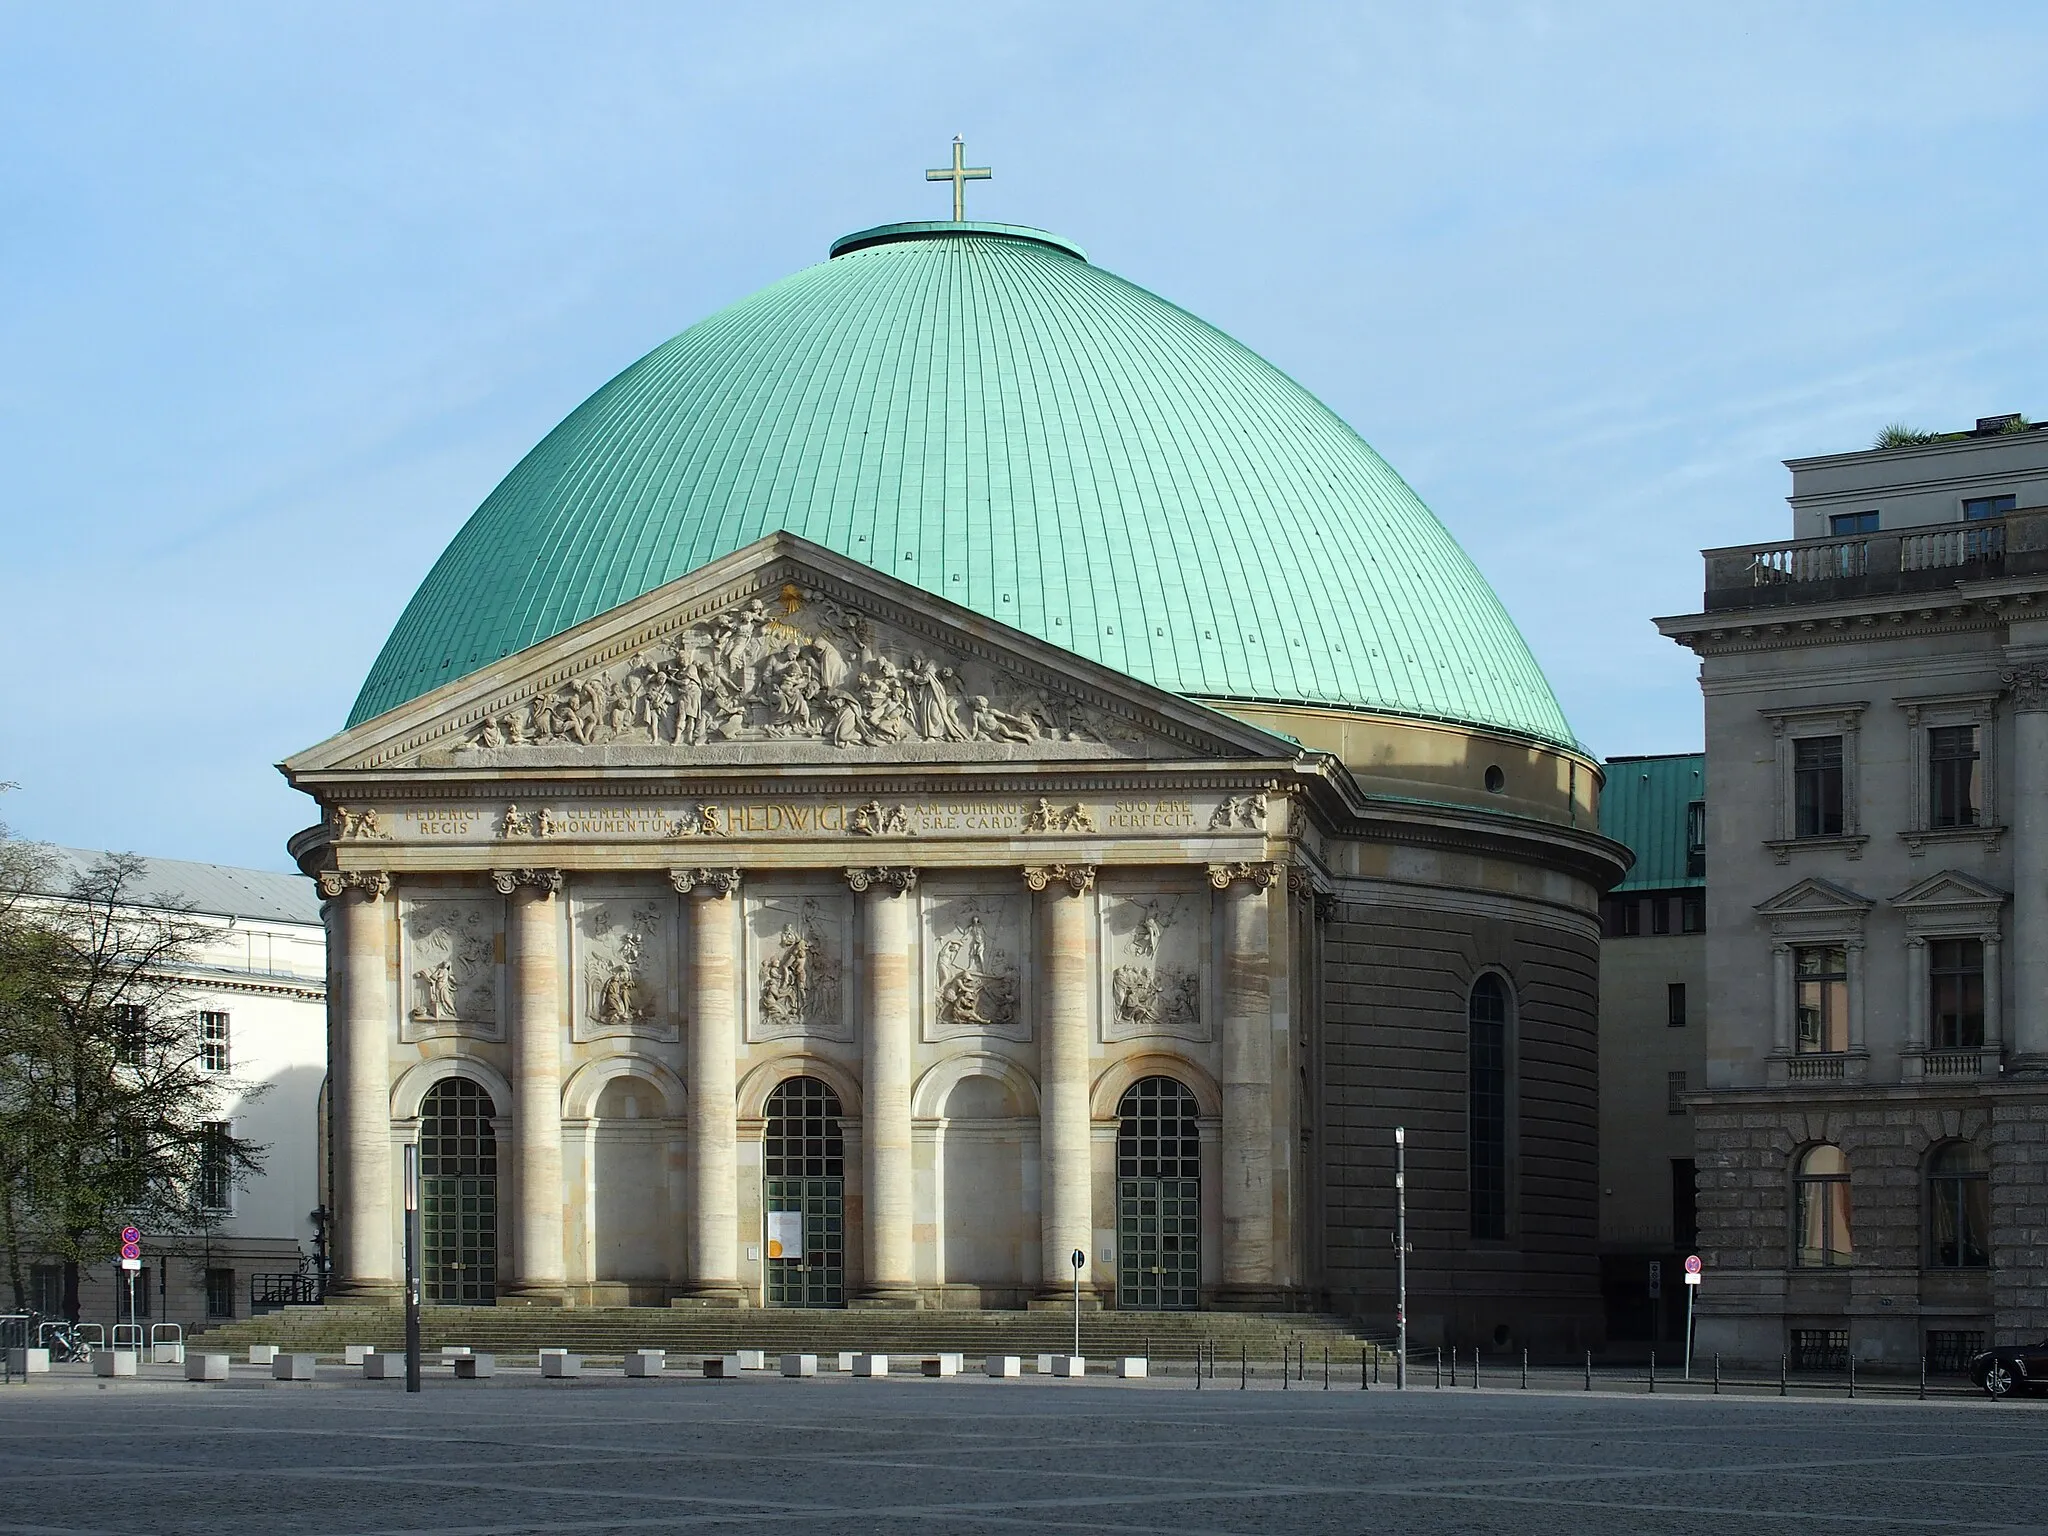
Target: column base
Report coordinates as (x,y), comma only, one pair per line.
(366,1293)
(535,1296)
(729,1297)
(888,1298)
(1255,1298)
(1063,1301)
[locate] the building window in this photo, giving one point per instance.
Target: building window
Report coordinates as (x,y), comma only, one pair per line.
(141,1293)
(1955,994)
(1820,1215)
(1852,522)
(1696,840)
(1820,1349)
(46,1289)
(1950,1350)
(1674,1093)
(131,1033)
(1692,912)
(1975,507)
(1674,1004)
(1954,798)
(1958,1208)
(216,1166)
(213,1041)
(1823,999)
(1487,1100)
(1685,1203)
(220,1294)
(1817,786)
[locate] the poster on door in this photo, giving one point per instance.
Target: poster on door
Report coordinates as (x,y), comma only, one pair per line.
(785,1234)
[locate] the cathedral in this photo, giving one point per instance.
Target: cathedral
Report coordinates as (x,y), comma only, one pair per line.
(947,773)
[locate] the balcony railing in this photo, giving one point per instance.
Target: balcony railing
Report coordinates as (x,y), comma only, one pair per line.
(1952,1064)
(1876,564)
(1817,1069)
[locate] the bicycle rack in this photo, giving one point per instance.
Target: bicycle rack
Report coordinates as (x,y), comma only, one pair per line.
(128,1336)
(166,1344)
(92,1336)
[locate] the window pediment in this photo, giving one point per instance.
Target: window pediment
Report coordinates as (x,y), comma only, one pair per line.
(1950,901)
(1815,908)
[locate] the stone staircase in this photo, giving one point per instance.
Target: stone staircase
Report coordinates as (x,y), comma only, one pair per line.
(601,1333)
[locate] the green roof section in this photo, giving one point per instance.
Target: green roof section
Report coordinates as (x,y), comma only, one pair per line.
(1646,804)
(977,410)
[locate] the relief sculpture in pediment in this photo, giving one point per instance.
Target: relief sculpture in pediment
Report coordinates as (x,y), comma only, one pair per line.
(808,670)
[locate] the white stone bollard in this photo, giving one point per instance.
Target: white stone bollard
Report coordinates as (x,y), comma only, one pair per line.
(114,1362)
(846,1360)
(1045,1365)
(28,1362)
(262,1354)
(167,1354)
(356,1354)
(940,1365)
(1005,1366)
(450,1353)
(474,1367)
(292,1368)
(721,1367)
(1069,1365)
(384,1366)
(646,1362)
(799,1365)
(559,1363)
(870,1365)
(1131,1367)
(753,1359)
(206,1367)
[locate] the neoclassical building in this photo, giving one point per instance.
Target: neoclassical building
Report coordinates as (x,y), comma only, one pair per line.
(949,764)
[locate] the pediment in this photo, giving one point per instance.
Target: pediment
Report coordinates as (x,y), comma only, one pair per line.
(1815,897)
(785,653)
(1949,890)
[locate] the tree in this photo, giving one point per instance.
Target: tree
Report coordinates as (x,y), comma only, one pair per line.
(109,1115)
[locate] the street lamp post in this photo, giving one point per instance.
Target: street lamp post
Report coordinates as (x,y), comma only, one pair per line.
(1401,1256)
(412,1267)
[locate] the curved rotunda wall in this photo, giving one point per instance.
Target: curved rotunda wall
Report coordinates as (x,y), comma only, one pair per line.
(981,413)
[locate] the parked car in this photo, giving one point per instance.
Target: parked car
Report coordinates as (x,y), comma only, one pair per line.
(2012,1368)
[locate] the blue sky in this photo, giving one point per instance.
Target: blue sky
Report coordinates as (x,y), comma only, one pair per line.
(284,291)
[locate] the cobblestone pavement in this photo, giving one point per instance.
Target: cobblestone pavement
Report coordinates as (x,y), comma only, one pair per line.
(604,1454)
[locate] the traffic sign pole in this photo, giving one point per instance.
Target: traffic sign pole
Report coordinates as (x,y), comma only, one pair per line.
(1692,1294)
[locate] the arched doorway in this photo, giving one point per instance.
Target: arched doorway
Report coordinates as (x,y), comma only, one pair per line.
(458,1195)
(1159,1198)
(803,1170)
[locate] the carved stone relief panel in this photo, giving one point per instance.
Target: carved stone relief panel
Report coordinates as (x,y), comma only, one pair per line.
(1155,947)
(977,982)
(453,966)
(622,964)
(799,973)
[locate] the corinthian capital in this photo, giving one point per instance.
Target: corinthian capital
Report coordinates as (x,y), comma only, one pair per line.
(1262,876)
(371,882)
(549,881)
(901,881)
(1076,877)
(715,882)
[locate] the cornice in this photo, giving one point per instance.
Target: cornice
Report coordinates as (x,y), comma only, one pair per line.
(1987,606)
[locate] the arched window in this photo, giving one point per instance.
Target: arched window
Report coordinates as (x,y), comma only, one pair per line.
(1159,1196)
(1820,1215)
(1958,1208)
(459,1194)
(803,1168)
(1487,1106)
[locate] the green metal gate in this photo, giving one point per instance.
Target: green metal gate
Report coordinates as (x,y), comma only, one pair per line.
(458,1195)
(803,1163)
(1159,1198)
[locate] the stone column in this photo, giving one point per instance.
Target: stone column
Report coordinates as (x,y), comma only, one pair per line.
(1782,984)
(2029,798)
(1994,996)
(533,964)
(1246,1161)
(364,1261)
(886,908)
(1065,1150)
(1916,995)
(714,1270)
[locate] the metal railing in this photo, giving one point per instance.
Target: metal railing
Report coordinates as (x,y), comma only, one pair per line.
(290,1288)
(1912,559)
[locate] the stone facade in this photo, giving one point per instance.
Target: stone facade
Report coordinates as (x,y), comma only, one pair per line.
(788,822)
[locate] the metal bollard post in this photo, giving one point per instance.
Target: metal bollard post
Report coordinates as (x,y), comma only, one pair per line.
(1148,1350)
(1375,1367)
(1198,1366)
(1439,1367)
(1589,1370)
(1286,1364)
(1653,1370)
(1717,1375)
(1475,1367)
(1365,1364)
(1852,1373)
(1454,1365)
(1784,1376)
(1326,1367)
(1244,1369)
(1525,1370)
(1923,1378)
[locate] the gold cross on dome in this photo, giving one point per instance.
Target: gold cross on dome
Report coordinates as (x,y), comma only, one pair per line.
(960,175)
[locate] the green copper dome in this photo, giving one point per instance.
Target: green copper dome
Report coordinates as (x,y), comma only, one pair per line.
(975,409)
